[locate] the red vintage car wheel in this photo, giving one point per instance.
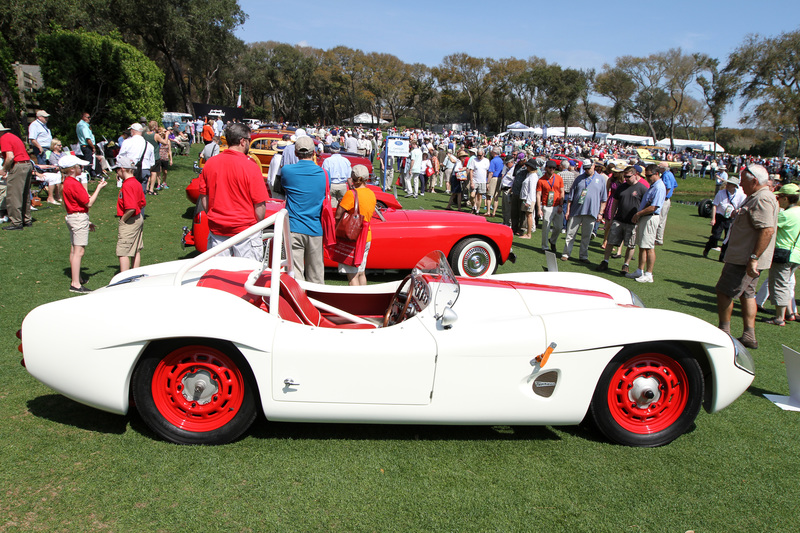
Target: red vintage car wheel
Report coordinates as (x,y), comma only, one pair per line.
(648,396)
(195,394)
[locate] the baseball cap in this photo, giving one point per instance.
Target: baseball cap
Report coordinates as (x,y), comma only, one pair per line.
(121,162)
(42,113)
(733,179)
(788,189)
(304,145)
(638,169)
(336,146)
(360,171)
(70,160)
(587,163)
(136,126)
(551,164)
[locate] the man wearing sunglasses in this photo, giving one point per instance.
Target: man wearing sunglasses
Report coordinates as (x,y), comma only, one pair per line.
(233,194)
(646,220)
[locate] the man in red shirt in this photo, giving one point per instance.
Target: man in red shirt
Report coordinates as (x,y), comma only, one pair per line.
(233,194)
(17,171)
(77,203)
(549,197)
(130,202)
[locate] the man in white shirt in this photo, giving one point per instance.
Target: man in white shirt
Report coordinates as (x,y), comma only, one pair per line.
(39,136)
(339,170)
(477,170)
(415,162)
(137,149)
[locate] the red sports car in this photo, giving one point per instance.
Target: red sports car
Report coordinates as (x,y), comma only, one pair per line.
(473,246)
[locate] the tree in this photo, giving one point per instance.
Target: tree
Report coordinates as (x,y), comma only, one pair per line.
(719,88)
(192,36)
(84,71)
(564,88)
(469,74)
(616,85)
(9,98)
(649,101)
(768,70)
(422,90)
(679,73)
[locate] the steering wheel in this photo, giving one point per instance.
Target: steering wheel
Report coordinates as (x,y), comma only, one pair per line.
(389,318)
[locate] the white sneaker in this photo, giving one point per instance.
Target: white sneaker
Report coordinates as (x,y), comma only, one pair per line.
(635,274)
(647,277)
(3,220)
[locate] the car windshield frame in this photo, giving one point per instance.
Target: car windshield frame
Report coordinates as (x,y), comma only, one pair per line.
(434,268)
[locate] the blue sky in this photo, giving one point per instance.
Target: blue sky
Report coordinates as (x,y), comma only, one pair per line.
(577,33)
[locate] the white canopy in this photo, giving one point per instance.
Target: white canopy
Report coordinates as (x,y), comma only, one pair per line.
(572,131)
(706,146)
(517,126)
(366,118)
(632,139)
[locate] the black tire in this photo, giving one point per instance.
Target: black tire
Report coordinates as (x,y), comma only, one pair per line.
(704,208)
(622,407)
(223,405)
(473,257)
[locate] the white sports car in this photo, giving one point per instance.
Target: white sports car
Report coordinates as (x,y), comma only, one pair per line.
(237,335)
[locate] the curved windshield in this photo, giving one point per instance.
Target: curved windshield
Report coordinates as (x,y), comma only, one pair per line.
(436,270)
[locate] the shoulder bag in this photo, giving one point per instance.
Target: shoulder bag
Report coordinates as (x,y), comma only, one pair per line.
(350,225)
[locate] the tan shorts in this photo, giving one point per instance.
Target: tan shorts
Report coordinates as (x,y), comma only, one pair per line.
(492,187)
(348,269)
(621,232)
(130,238)
(735,283)
(646,231)
(78,224)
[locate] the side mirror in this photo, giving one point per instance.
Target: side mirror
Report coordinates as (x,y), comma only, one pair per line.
(448,318)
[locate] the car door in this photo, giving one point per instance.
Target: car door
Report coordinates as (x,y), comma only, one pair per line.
(393,365)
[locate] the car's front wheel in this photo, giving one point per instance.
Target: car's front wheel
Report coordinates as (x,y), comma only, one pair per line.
(648,395)
(704,208)
(195,393)
(473,258)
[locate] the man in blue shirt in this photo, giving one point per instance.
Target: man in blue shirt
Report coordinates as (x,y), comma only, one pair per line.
(304,185)
(39,136)
(670,184)
(588,197)
(338,169)
(493,190)
(86,140)
(646,220)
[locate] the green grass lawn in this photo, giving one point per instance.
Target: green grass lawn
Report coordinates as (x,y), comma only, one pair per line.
(67,467)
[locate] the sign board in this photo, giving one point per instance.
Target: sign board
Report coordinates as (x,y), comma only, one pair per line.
(397,146)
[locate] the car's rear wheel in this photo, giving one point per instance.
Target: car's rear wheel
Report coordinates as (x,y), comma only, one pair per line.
(473,258)
(648,395)
(195,393)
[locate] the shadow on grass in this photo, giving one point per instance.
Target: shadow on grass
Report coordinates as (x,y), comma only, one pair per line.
(759,393)
(189,214)
(264,429)
(60,409)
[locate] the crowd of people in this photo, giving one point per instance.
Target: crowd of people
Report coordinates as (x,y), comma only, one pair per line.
(553,185)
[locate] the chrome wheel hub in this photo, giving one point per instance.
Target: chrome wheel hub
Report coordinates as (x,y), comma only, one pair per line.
(199,387)
(644,392)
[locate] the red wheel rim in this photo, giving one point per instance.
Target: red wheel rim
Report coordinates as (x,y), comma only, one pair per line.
(197,388)
(631,384)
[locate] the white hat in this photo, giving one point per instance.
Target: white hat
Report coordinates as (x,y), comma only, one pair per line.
(69,161)
(136,126)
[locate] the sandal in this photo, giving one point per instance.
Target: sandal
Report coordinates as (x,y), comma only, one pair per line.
(791,317)
(775,321)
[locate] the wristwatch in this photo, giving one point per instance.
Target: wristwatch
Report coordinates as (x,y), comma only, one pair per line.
(753,257)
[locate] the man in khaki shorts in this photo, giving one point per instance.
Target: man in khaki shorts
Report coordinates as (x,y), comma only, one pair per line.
(646,220)
(131,200)
(77,203)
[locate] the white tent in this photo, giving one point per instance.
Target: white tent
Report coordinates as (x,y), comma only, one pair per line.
(517,126)
(366,118)
(680,144)
(572,131)
(632,139)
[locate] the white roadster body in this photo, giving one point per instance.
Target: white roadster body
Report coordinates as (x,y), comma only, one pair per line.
(232,335)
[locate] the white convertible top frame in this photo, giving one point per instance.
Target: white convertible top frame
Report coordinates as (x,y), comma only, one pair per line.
(282,239)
